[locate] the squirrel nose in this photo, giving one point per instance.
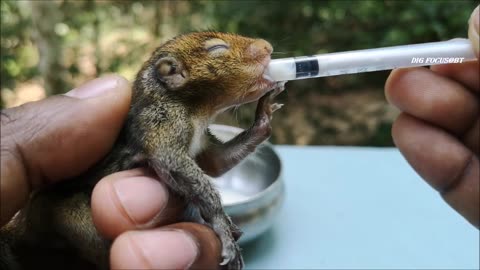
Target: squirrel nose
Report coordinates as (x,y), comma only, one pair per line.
(260,47)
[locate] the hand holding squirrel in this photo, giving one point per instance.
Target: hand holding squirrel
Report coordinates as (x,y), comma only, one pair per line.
(177,93)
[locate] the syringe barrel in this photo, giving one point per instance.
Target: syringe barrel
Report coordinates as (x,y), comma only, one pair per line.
(425,54)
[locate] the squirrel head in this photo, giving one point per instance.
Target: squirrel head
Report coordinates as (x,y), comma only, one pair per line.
(211,71)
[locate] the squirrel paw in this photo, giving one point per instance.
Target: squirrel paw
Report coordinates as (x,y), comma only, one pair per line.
(264,113)
(265,105)
(232,257)
(280,86)
(228,233)
(275,106)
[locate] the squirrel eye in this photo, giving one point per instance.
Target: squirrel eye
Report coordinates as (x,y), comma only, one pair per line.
(217,47)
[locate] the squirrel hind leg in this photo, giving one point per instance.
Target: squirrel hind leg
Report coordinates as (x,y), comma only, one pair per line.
(204,204)
(228,233)
(211,213)
(231,253)
(202,211)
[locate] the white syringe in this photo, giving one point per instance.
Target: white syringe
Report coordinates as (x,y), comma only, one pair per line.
(330,64)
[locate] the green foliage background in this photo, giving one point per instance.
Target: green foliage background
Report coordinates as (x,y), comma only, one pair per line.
(91,38)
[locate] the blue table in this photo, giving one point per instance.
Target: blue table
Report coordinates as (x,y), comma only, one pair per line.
(352,207)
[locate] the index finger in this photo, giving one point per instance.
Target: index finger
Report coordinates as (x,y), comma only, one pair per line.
(464,73)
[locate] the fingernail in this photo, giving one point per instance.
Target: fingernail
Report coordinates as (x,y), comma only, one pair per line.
(141,197)
(166,249)
(95,87)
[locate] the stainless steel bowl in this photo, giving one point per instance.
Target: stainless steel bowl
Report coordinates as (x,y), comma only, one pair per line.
(253,191)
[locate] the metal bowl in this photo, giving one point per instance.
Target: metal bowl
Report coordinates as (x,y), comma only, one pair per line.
(253,191)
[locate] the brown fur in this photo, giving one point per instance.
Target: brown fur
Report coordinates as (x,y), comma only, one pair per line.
(177,93)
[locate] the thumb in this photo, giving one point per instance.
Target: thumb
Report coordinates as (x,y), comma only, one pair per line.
(58,138)
(473,30)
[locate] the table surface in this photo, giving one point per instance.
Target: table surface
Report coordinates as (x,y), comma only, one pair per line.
(356,207)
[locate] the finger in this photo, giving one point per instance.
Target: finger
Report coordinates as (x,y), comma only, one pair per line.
(473,31)
(433,98)
(131,200)
(464,73)
(58,137)
(178,246)
(472,138)
(444,162)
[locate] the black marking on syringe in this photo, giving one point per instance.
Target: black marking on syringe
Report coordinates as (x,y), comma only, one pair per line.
(306,67)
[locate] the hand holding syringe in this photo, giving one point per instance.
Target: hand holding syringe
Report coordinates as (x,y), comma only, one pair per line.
(453,51)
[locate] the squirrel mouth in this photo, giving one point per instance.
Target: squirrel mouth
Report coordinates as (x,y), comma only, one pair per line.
(262,82)
(265,82)
(264,63)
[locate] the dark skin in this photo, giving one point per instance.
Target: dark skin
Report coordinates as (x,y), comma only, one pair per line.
(438,130)
(26,167)
(110,218)
(438,133)
(176,94)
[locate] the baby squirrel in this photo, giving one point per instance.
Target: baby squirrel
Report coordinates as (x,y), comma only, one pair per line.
(177,93)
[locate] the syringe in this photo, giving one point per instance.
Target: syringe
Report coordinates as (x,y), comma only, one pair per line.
(330,64)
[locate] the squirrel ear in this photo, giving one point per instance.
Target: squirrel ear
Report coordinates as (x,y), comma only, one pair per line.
(171,72)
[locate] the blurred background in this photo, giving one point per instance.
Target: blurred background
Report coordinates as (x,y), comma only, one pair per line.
(49,47)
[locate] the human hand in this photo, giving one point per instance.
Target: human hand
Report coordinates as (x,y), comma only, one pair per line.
(62,136)
(438,130)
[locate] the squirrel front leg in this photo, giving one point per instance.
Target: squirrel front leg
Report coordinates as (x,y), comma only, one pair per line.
(219,157)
